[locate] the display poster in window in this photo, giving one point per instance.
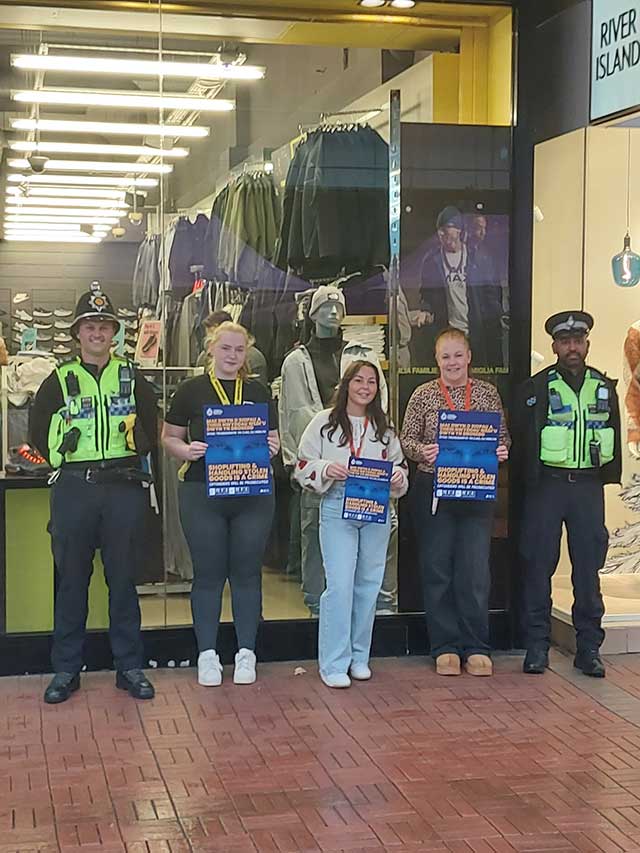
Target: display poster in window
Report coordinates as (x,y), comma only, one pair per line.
(467,465)
(148,345)
(366,490)
(237,457)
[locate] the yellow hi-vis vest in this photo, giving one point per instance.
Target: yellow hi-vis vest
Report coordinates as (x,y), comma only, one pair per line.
(577,433)
(102,409)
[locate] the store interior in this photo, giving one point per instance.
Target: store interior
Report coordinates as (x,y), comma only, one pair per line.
(177,192)
(584,207)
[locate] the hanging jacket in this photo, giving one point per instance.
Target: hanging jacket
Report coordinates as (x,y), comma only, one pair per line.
(300,396)
(97,420)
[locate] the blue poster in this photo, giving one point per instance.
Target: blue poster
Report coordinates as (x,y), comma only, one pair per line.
(467,465)
(237,460)
(366,490)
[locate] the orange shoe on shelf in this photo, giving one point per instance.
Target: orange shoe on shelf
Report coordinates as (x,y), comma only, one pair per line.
(448,664)
(480,665)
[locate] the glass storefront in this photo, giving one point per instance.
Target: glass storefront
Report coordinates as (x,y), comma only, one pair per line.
(584,207)
(194,164)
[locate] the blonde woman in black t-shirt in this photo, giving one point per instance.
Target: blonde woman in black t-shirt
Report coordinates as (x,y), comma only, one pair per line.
(226,535)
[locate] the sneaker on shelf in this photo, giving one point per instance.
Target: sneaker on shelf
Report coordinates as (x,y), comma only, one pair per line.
(25,459)
(19,326)
(20,297)
(62,324)
(43,325)
(209,669)
(126,312)
(62,338)
(19,314)
(63,312)
(245,669)
(42,313)
(59,349)
(129,350)
(46,338)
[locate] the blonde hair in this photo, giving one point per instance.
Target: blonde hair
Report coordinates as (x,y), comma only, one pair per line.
(214,335)
(454,334)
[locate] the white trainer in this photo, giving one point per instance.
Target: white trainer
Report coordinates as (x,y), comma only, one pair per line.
(245,671)
(209,669)
(360,671)
(337,679)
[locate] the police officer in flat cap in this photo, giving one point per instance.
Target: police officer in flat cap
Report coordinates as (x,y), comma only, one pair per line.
(569,427)
(93,419)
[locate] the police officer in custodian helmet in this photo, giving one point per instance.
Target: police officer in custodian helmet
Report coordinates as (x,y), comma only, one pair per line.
(570,448)
(93,418)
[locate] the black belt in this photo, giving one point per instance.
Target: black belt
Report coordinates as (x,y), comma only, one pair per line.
(571,475)
(101,474)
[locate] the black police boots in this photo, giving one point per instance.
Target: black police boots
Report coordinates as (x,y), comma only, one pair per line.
(61,686)
(536,661)
(136,682)
(590,663)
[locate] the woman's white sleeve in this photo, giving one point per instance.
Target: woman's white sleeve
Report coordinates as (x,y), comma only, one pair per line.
(310,464)
(399,464)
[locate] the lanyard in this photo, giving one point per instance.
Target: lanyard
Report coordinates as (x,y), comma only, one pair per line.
(222,394)
(447,395)
(352,448)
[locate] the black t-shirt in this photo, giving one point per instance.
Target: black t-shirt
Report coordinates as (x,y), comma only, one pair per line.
(186,409)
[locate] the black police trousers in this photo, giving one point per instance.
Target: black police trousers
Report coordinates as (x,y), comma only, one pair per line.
(85,517)
(577,501)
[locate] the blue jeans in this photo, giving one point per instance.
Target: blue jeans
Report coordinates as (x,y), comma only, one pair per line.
(354,555)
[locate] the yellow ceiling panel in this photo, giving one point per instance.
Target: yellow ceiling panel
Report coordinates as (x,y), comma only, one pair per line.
(384,36)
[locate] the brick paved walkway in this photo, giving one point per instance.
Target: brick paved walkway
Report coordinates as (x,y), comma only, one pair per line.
(406,763)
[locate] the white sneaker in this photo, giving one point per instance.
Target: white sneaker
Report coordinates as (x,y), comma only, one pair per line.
(245,671)
(338,679)
(360,671)
(209,669)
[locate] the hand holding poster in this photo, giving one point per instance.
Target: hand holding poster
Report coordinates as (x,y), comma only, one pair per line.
(366,491)
(467,466)
(237,460)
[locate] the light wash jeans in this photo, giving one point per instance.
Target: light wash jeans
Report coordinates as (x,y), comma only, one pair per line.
(354,555)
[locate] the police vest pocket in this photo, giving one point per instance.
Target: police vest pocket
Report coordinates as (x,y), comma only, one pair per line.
(554,444)
(607,443)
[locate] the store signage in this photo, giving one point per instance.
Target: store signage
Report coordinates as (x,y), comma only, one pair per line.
(615,56)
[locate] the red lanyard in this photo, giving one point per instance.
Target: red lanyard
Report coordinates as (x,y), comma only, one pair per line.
(352,448)
(447,395)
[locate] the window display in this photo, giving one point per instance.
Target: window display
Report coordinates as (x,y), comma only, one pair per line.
(218,170)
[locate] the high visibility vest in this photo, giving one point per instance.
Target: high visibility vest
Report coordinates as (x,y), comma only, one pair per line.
(577,433)
(102,410)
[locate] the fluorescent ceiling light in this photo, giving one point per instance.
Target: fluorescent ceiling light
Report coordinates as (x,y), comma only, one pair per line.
(43,218)
(68,192)
(47,237)
(82,180)
(65,211)
(136,67)
(89,148)
(96,166)
(42,226)
(110,128)
(372,4)
(46,201)
(125,100)
(403,4)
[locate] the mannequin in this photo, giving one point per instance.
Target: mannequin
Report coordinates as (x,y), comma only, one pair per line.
(632,395)
(310,374)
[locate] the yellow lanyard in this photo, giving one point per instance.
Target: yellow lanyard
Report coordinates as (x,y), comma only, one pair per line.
(222,394)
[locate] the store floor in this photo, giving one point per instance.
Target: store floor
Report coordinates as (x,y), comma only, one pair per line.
(281,599)
(405,763)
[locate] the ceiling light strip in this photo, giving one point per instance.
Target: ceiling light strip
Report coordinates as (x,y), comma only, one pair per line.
(96,166)
(82,180)
(52,201)
(89,148)
(110,128)
(124,100)
(68,192)
(136,67)
(66,211)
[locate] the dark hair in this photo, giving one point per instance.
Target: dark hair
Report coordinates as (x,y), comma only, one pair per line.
(338,416)
(216,318)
